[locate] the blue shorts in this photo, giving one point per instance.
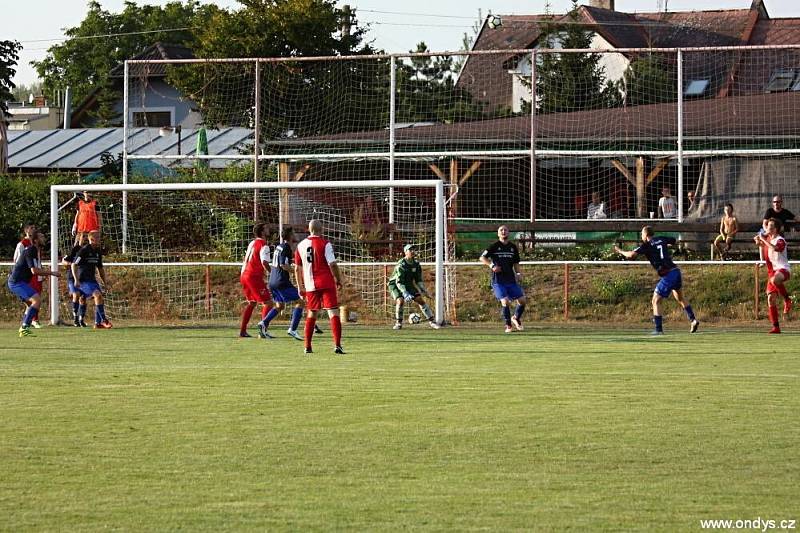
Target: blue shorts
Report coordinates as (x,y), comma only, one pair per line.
(285,295)
(88,288)
(512,291)
(71,286)
(671,281)
(23,291)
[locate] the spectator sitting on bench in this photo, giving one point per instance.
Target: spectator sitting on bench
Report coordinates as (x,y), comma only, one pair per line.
(777,211)
(728,228)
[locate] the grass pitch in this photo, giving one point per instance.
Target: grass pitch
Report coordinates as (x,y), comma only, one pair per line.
(460,429)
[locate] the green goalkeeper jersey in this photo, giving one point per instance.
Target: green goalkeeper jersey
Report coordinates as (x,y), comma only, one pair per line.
(407,276)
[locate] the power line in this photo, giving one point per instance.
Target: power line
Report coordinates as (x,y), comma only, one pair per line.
(104,35)
(413,14)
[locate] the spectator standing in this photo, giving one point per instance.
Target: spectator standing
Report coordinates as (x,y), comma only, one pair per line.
(667,207)
(597,208)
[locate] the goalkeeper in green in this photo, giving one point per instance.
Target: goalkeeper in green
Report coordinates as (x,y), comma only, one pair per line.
(405,285)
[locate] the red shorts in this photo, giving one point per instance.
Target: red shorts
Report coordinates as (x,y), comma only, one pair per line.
(36,284)
(771,286)
(322,299)
(255,289)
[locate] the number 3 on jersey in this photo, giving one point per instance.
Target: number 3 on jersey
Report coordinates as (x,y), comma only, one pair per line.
(310,255)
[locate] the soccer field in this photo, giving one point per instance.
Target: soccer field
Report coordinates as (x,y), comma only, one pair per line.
(460,429)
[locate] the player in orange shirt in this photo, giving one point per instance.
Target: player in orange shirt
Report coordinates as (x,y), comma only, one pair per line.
(87,218)
(317,272)
(254,267)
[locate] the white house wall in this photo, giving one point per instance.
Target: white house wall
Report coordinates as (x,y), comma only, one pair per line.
(614,64)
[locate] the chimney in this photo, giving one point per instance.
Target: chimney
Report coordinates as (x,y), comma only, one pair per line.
(68,108)
(347,20)
(603,4)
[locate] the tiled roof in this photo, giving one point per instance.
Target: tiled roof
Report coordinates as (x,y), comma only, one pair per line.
(776,114)
(492,84)
(485,76)
(776,32)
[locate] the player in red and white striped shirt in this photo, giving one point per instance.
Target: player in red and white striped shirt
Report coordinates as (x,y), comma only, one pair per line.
(318,274)
(777,258)
(254,269)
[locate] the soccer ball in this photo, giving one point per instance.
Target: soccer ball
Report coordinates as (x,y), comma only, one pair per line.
(414,318)
(494,22)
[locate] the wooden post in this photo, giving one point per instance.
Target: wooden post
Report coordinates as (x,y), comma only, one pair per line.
(640,182)
(566,291)
(756,291)
(208,288)
(283,194)
(641,199)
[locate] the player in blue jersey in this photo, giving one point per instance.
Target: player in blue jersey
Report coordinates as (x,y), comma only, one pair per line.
(78,300)
(282,289)
(656,249)
(87,264)
(25,268)
(503,258)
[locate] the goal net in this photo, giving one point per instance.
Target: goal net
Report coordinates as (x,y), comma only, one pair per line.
(173,252)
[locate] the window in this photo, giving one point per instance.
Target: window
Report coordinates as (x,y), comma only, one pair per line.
(696,88)
(781,80)
(152,119)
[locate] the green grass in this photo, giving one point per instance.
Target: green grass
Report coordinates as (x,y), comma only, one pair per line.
(461,429)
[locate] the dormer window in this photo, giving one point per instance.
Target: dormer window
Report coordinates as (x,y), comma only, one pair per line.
(781,80)
(696,88)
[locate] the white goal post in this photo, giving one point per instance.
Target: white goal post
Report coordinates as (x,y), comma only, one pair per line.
(278,192)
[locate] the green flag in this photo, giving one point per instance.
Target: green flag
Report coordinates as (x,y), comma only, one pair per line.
(202,148)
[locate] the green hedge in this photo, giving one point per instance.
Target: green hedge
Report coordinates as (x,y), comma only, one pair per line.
(23,200)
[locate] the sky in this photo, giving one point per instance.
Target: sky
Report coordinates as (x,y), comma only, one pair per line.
(394,26)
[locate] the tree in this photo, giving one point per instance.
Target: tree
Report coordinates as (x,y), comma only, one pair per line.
(21,92)
(650,79)
(571,81)
(426,91)
(9,55)
(304,98)
(104,39)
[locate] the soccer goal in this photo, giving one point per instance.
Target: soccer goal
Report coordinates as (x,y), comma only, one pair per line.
(173,250)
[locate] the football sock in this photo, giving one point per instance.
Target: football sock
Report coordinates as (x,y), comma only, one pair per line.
(265,309)
(75,307)
(506,315)
(297,314)
(97,318)
(773,315)
(267,318)
(29,314)
(309,331)
(398,312)
(247,312)
(689,313)
(101,309)
(519,310)
(659,322)
(36,314)
(426,309)
(81,311)
(336,329)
